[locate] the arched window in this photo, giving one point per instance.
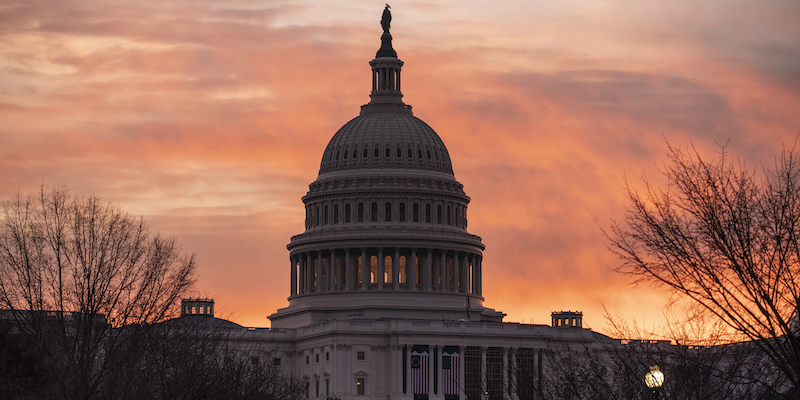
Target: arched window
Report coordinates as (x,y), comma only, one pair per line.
(399,153)
(366,152)
(388,153)
(377,152)
(402,213)
(360,212)
(347,213)
(419,153)
(428,213)
(345,154)
(374,212)
(439,214)
(387,269)
(449,220)
(325,217)
(387,215)
(403,266)
(373,269)
(355,153)
(416,212)
(410,153)
(335,213)
(317,211)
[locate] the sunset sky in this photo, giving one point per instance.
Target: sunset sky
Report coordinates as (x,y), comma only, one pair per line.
(209,118)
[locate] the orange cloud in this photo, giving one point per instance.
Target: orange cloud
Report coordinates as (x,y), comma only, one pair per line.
(210,120)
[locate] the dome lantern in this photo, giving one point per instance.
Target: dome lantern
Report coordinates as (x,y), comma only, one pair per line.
(385,73)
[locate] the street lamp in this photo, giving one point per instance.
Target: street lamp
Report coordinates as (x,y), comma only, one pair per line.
(654,379)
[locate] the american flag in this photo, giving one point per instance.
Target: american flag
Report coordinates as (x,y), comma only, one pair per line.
(450,373)
(419,370)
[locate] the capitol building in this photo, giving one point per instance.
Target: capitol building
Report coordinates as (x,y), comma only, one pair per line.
(385,294)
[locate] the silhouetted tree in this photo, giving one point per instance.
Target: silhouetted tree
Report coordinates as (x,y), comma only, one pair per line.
(727,238)
(196,359)
(72,270)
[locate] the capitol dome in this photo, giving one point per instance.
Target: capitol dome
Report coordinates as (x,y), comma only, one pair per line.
(386,222)
(386,138)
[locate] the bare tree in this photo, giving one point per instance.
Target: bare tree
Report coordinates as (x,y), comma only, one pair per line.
(193,358)
(72,269)
(727,238)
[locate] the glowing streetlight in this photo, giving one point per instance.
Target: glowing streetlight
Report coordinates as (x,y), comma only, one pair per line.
(654,379)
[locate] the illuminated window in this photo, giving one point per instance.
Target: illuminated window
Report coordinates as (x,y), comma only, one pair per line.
(387,269)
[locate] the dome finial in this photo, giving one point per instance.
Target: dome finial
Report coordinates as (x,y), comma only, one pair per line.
(386,19)
(386,49)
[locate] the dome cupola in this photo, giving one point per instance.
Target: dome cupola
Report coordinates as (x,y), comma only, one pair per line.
(386,220)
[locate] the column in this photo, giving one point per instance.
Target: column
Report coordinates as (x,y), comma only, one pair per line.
(479,281)
(396,268)
(411,272)
(381,268)
(465,273)
(539,372)
(364,269)
(461,374)
(332,271)
(319,271)
(445,273)
(426,276)
(484,382)
(293,271)
(456,273)
(514,371)
(309,272)
(505,373)
(349,277)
